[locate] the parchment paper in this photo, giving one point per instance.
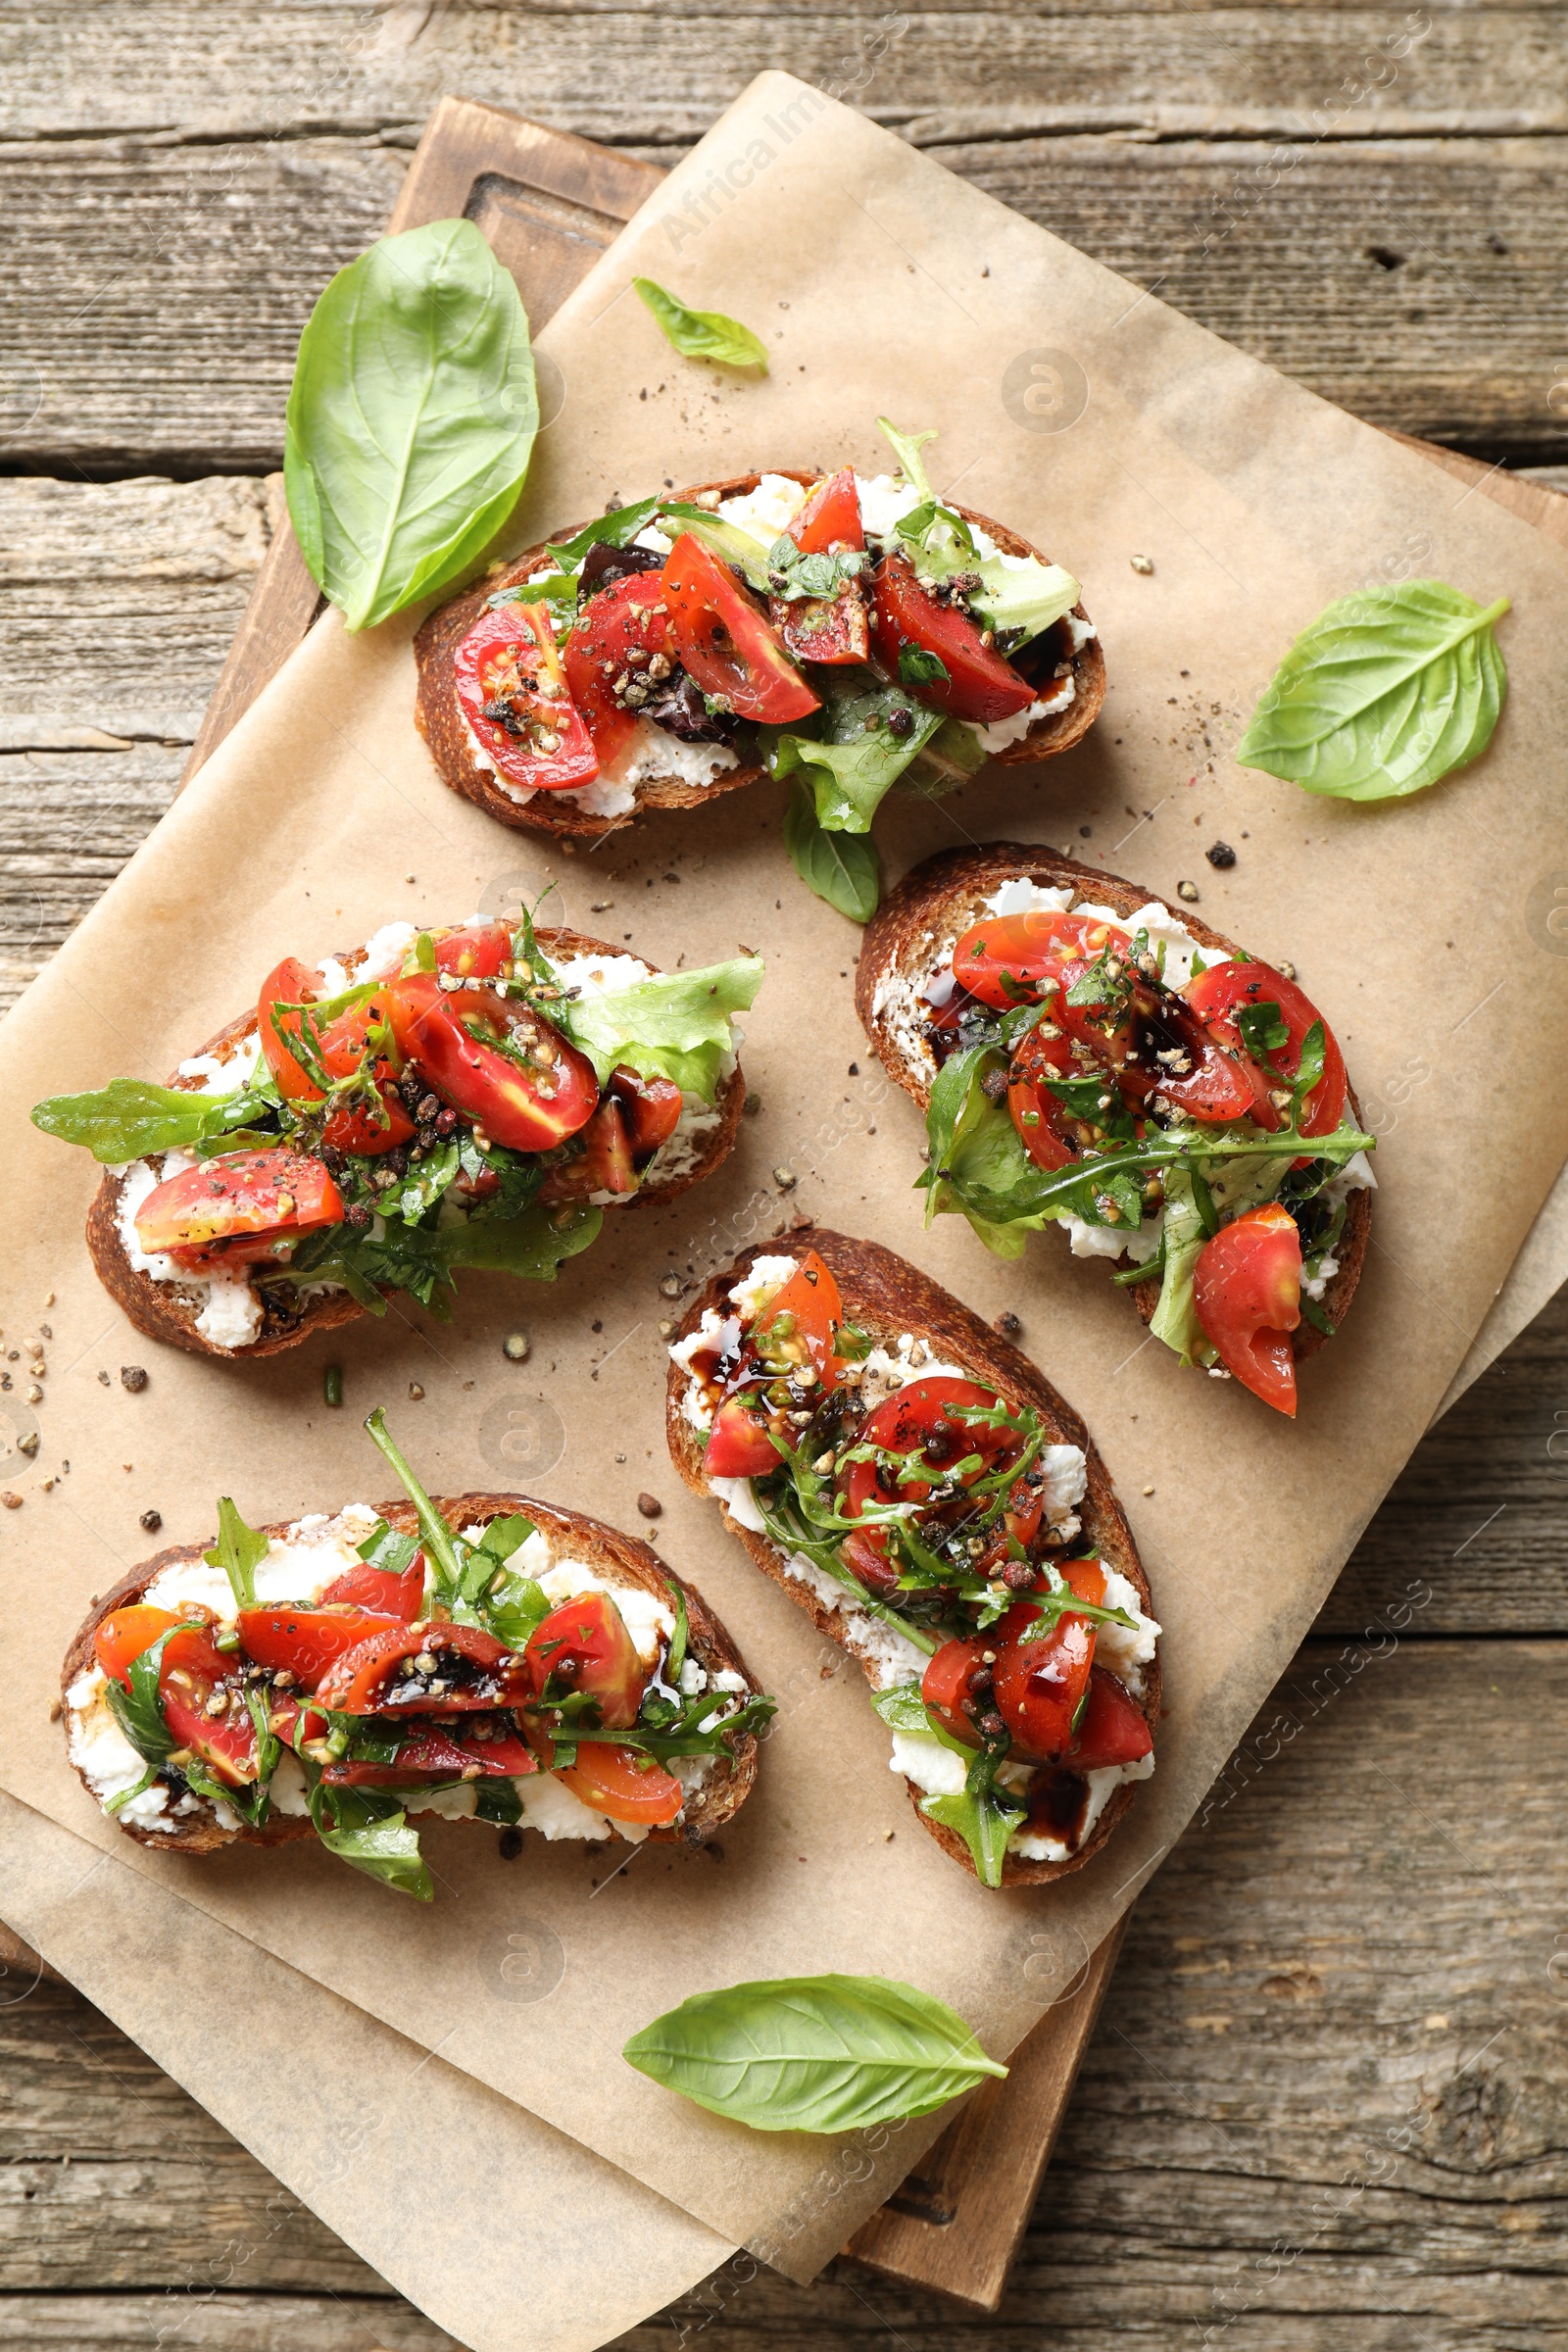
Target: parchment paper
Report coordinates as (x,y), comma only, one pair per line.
(881,283)
(486,2219)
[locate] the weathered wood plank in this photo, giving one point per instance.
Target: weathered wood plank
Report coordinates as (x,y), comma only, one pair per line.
(1421,283)
(199,2320)
(941,74)
(1321,2110)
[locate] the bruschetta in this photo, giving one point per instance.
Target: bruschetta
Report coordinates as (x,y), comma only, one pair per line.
(485,1657)
(1090,1056)
(473,1095)
(918,1489)
(855,629)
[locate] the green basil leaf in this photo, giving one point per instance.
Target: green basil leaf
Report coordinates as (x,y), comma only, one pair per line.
(411,420)
(383,1549)
(129,1118)
(238,1551)
(701,334)
(1385,692)
(616,530)
(844,868)
(386,1849)
(674,1025)
(503,1537)
(824,2053)
(918,668)
(497,1800)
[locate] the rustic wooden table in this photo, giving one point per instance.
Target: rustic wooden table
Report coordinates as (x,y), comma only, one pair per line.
(1323,2109)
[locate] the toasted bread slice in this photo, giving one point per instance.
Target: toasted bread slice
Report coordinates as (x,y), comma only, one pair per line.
(441,722)
(619,1560)
(886,1297)
(913,932)
(164,1311)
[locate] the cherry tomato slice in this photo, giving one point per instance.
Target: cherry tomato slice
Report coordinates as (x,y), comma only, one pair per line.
(194,1672)
(1113,1728)
(1220,994)
(382,1676)
(289,983)
(1050,1133)
(1025,949)
(979,684)
(738,1443)
(475,952)
(585,1645)
(725,643)
(945,1686)
(918,1421)
(1246,1288)
(650,1108)
(619,633)
(832,629)
(514,693)
(379,1591)
(528,1109)
(1040,1684)
(622,1783)
(431,1755)
(362,1126)
(305,1642)
(800,1321)
(122,1638)
(270,1197)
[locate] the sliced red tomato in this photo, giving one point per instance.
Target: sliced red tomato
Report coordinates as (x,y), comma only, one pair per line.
(431,1755)
(621,633)
(475,952)
(289,983)
(738,1443)
(1040,1684)
(469,1670)
(979,684)
(1002,959)
(650,1108)
(242,1207)
(945,1686)
(918,1421)
(283,1720)
(724,641)
(122,1638)
(622,1783)
(827,628)
(1050,1133)
(513,691)
(1113,1728)
(605,1165)
(362,1125)
(585,1645)
(800,1321)
(1246,1288)
(378,1590)
(528,1109)
(194,1673)
(1220,994)
(305,1642)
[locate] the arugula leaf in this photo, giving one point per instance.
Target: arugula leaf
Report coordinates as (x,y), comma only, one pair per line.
(842,868)
(544,588)
(674,1025)
(238,1551)
(383,1549)
(503,1537)
(411,420)
(901,1708)
(985,1823)
(701,334)
(129,1118)
(439,1545)
(139,1711)
(1385,692)
(421,1260)
(386,1849)
(856,753)
(826,2053)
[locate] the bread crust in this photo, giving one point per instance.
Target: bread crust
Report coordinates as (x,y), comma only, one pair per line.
(883,1292)
(161,1311)
(920,906)
(620,1559)
(439,718)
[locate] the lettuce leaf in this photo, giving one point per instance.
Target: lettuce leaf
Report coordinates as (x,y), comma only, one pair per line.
(1019,600)
(674,1025)
(853,755)
(129,1117)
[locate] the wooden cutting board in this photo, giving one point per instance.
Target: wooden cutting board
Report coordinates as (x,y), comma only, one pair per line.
(549,205)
